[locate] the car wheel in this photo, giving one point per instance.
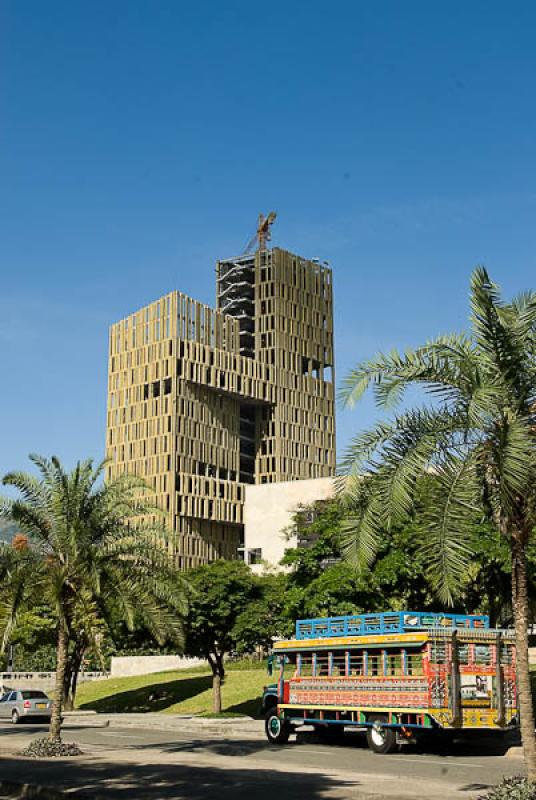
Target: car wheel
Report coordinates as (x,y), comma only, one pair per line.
(277,730)
(381,739)
(15,717)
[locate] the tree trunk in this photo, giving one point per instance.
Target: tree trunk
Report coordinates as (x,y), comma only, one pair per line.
(520,608)
(67,678)
(218,676)
(216,693)
(54,732)
(72,669)
(74,684)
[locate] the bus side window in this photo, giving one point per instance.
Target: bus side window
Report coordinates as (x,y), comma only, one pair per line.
(438,652)
(306,666)
(482,654)
(322,664)
(338,663)
(394,664)
(289,666)
(414,661)
(375,664)
(356,664)
(463,654)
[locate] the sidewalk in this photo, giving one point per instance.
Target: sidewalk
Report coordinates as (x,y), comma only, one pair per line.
(146,775)
(245,727)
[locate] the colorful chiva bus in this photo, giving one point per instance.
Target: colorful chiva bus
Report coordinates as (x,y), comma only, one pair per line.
(397,674)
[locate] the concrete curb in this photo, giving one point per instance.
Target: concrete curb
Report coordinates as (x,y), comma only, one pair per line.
(171,719)
(86,723)
(79,713)
(83,719)
(247,728)
(195,730)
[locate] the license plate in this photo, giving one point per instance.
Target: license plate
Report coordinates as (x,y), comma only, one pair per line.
(40,705)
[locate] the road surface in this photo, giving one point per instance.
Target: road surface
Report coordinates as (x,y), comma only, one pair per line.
(205,766)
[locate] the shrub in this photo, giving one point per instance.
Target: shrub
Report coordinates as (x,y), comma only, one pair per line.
(516,788)
(48,748)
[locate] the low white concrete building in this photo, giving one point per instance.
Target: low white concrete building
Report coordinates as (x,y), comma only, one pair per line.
(268,512)
(125,666)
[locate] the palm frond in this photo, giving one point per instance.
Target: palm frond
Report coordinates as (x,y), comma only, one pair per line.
(508,465)
(448,524)
(446,366)
(362,534)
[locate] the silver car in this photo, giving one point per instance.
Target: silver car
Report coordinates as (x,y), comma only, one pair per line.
(22,704)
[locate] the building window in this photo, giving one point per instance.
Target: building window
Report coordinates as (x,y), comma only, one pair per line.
(255,555)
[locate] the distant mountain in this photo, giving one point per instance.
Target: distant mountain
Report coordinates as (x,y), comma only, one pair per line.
(7,530)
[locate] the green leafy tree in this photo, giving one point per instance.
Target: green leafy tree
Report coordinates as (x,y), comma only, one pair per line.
(337,591)
(488,589)
(88,549)
(221,591)
(321,583)
(317,527)
(33,640)
(477,436)
(264,617)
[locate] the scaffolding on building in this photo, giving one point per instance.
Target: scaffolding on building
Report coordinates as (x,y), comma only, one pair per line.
(235,296)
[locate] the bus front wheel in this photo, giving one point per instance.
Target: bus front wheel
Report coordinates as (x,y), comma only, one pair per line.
(381,739)
(277,730)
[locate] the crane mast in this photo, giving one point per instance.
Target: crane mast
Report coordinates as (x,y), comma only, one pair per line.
(263,233)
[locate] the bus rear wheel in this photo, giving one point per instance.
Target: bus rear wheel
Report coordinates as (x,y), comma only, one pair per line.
(277,730)
(381,739)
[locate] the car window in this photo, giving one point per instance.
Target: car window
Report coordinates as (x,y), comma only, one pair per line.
(12,697)
(3,698)
(33,695)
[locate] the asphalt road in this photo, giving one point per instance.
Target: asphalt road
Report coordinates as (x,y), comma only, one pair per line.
(469,767)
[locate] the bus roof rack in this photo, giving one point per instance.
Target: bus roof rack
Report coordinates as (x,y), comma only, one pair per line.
(387,622)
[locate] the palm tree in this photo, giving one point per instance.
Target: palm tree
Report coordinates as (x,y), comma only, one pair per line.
(90,549)
(477,436)
(17,561)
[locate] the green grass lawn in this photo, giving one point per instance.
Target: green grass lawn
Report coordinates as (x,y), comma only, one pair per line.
(180,692)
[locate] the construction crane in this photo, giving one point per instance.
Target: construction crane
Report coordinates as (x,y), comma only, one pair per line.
(262,234)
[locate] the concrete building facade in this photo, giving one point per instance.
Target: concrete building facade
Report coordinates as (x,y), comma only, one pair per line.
(202,401)
(268,517)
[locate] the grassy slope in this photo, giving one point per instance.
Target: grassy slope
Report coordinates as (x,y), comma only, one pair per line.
(182,692)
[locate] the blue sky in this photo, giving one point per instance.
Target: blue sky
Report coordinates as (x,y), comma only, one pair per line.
(139,141)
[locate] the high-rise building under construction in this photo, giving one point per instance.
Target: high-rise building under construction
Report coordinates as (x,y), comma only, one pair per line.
(202,402)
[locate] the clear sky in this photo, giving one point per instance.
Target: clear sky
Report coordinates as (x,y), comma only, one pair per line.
(140,140)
